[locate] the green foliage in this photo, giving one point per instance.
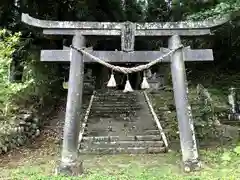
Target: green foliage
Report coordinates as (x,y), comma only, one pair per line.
(8,44)
(207,106)
(222,8)
(157,11)
(229,156)
(39,79)
(191,6)
(206,117)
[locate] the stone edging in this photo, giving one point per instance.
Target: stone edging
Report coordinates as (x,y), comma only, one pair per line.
(12,137)
(25,127)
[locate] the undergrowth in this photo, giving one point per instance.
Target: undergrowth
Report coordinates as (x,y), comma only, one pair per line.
(39,83)
(8,44)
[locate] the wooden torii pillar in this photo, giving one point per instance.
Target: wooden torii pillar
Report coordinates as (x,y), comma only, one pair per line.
(128,31)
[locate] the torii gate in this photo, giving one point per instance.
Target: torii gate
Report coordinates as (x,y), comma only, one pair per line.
(128,31)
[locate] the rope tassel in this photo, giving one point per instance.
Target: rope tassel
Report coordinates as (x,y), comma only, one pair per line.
(144,84)
(112,81)
(128,87)
(65,84)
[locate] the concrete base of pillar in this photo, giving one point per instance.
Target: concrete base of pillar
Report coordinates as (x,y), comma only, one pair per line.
(74,169)
(190,166)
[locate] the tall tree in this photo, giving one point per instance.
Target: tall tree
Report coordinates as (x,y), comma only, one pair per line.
(158,10)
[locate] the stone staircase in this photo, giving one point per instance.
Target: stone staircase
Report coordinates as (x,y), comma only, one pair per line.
(120,123)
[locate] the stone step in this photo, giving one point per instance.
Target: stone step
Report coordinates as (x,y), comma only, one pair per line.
(114,115)
(151,132)
(109,100)
(129,150)
(115,93)
(122,139)
(160,109)
(114,109)
(115,103)
(115,96)
(106,105)
(125,138)
(120,144)
(129,134)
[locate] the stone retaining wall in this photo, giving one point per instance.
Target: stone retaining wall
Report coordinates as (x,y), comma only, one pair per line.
(24,127)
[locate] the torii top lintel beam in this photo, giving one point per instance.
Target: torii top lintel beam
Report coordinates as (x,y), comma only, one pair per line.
(184,28)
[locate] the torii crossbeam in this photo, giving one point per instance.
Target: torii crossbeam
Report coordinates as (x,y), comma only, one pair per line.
(128,31)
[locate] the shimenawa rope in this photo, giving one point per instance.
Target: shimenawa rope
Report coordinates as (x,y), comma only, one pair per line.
(126,70)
